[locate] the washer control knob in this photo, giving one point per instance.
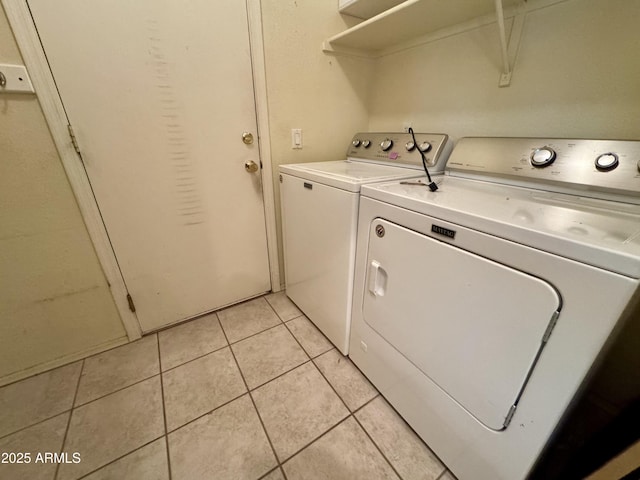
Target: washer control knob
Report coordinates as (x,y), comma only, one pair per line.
(356,143)
(386,144)
(409,145)
(424,147)
(366,143)
(607,161)
(543,157)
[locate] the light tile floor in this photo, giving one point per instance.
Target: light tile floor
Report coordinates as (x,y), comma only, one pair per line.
(254,391)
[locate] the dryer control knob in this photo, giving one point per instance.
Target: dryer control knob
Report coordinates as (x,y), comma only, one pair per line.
(366,143)
(424,147)
(607,161)
(386,144)
(409,145)
(356,143)
(543,157)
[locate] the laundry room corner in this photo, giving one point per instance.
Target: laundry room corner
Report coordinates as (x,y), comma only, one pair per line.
(323,95)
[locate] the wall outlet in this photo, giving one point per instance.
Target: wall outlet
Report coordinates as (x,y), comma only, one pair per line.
(296,138)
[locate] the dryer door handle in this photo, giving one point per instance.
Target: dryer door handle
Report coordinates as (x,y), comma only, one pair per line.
(377,279)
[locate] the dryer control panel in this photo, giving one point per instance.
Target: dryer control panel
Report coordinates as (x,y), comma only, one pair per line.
(399,149)
(596,168)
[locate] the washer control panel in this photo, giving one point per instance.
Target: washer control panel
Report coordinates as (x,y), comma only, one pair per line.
(609,166)
(395,148)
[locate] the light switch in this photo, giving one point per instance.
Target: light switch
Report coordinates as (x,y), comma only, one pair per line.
(296,138)
(15,79)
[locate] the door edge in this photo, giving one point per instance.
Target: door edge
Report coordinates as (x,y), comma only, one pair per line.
(258,69)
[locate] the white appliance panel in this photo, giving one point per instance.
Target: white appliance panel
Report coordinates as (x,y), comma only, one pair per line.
(457,316)
(319,224)
(348,175)
(598,232)
(592,302)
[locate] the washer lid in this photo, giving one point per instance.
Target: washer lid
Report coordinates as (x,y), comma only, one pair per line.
(346,174)
(601,233)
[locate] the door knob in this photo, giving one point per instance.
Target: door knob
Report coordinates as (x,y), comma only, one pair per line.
(251,166)
(247,138)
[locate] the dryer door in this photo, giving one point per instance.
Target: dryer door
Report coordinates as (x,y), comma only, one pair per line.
(474,326)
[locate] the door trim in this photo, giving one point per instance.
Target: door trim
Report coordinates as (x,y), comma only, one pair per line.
(256,43)
(28,41)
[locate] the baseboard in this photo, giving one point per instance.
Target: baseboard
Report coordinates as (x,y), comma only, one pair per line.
(58,362)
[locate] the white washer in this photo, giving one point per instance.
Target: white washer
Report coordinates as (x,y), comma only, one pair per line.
(319,218)
(479,309)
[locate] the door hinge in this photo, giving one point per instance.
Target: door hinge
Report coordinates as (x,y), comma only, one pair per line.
(74,140)
(132,306)
(552,323)
(509,416)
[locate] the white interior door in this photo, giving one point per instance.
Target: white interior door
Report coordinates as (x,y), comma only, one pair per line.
(159,94)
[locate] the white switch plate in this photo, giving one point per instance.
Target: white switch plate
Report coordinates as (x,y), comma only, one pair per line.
(17,79)
(296,138)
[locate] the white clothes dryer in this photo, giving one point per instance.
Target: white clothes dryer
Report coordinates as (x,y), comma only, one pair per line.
(480,309)
(320,202)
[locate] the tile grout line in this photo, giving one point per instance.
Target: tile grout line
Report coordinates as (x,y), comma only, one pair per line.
(194,358)
(377,447)
(34,424)
(164,408)
(315,439)
(277,467)
(117,390)
(352,414)
(66,432)
(119,458)
(236,397)
(298,341)
(278,315)
(264,429)
(248,390)
(228,344)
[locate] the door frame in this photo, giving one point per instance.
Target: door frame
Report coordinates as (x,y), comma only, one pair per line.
(28,41)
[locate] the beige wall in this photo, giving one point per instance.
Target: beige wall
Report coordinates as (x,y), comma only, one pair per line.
(55,304)
(577,75)
(324,95)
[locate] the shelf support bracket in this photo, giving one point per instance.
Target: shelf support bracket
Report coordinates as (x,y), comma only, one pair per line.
(505,77)
(509,49)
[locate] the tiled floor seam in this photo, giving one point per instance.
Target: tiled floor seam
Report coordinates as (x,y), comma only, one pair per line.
(352,414)
(73,403)
(115,391)
(275,311)
(278,467)
(120,458)
(443,474)
(253,334)
(246,385)
(207,413)
(377,446)
(164,408)
(316,439)
(22,429)
(298,341)
(193,359)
